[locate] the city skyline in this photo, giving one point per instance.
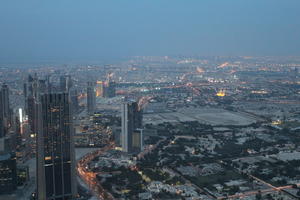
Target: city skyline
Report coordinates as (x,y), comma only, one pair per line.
(150,100)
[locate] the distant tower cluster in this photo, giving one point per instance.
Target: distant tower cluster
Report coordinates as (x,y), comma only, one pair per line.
(91,98)
(131,133)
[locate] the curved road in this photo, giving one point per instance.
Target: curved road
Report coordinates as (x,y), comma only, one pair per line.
(89,177)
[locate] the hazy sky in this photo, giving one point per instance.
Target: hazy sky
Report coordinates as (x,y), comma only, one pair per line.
(83,30)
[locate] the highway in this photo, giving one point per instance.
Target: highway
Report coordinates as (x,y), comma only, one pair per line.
(89,177)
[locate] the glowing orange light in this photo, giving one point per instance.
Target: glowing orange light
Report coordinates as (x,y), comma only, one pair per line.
(221,93)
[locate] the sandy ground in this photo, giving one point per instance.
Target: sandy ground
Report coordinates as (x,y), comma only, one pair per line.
(203,115)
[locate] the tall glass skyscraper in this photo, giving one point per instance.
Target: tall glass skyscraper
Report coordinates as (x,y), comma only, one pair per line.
(55,155)
(131,120)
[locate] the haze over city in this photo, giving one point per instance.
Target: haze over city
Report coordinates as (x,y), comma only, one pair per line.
(150,100)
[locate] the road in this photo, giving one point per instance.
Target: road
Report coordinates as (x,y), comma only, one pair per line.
(89,177)
(271,188)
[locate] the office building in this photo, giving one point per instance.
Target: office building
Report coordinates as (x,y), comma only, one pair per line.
(109,89)
(56,178)
(116,133)
(22,174)
(99,89)
(8,173)
(5,113)
(91,98)
(8,165)
(65,83)
(106,89)
(33,88)
(131,120)
(137,140)
(74,101)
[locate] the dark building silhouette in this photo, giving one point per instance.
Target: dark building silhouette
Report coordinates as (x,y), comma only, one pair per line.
(5,112)
(8,173)
(56,178)
(74,100)
(91,97)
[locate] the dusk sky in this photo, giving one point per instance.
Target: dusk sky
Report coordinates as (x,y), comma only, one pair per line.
(73,30)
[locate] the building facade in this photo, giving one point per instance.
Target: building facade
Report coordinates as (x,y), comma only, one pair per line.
(8,173)
(91,98)
(131,117)
(56,178)
(5,113)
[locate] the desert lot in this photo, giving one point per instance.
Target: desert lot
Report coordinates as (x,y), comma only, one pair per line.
(203,115)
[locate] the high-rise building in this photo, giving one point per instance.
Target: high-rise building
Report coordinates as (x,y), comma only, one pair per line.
(5,100)
(8,173)
(5,145)
(56,178)
(109,87)
(2,126)
(65,83)
(106,89)
(91,97)
(131,120)
(99,89)
(137,140)
(116,134)
(5,113)
(74,100)
(32,89)
(8,166)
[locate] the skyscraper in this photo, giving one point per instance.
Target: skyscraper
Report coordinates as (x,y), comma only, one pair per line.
(5,100)
(8,173)
(8,168)
(131,120)
(65,83)
(5,117)
(55,156)
(91,97)
(100,89)
(2,126)
(32,90)
(109,87)
(137,140)
(74,100)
